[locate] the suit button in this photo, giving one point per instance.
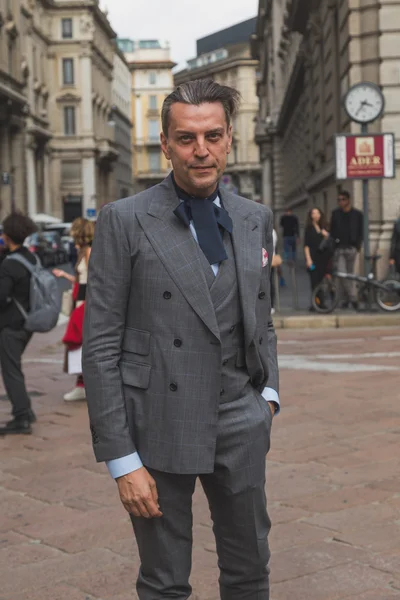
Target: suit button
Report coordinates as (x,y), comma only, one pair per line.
(225,362)
(177,343)
(232,329)
(167,295)
(222,392)
(173,387)
(261,340)
(261,295)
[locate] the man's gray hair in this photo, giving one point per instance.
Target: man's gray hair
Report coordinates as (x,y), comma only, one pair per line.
(201,91)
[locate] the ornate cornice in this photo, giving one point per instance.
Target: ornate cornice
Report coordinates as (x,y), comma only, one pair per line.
(68,98)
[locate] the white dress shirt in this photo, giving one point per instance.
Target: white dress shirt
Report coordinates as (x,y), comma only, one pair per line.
(127,464)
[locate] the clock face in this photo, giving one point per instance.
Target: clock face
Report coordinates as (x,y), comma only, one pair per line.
(364,102)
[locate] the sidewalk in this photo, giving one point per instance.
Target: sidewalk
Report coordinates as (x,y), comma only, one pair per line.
(291,316)
(332,483)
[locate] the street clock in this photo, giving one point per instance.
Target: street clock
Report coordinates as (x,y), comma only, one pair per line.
(364,102)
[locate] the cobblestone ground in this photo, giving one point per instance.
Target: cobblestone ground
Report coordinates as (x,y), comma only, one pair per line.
(332,480)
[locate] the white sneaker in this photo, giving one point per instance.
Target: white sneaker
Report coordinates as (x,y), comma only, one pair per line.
(272,311)
(76,395)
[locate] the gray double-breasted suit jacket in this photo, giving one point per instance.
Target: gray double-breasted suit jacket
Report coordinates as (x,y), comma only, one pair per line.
(151,352)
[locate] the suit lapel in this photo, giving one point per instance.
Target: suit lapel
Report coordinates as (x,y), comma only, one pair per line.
(247,245)
(175,246)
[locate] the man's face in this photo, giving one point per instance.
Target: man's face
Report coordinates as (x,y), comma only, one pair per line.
(343,202)
(198,143)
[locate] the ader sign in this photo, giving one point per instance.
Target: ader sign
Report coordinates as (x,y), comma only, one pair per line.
(368,156)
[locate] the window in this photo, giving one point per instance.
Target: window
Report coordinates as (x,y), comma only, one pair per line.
(152,77)
(68,71)
(66,29)
(71,172)
(126,45)
(153,103)
(69,120)
(155,161)
(149,44)
(154,132)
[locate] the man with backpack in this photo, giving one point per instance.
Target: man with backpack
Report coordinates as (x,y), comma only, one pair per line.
(28,303)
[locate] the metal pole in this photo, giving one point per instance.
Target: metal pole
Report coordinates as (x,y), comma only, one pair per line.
(367,269)
(295,296)
(277,291)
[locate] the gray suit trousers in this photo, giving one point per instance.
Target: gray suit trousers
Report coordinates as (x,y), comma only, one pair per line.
(236,496)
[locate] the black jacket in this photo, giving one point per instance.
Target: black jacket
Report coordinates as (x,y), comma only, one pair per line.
(356,226)
(395,243)
(14,283)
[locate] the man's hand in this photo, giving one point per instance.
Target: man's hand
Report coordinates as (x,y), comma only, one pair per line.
(272,407)
(391,261)
(138,493)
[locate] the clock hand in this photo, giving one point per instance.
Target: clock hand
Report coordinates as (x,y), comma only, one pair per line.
(361,107)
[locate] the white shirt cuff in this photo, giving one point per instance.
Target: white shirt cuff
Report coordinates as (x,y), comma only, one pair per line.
(270,395)
(124,465)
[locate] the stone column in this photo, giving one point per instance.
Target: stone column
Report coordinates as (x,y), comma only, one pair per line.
(46,182)
(267,191)
(18,166)
(31,177)
(89,183)
(87,104)
(5,190)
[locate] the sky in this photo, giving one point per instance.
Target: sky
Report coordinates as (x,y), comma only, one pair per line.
(181,22)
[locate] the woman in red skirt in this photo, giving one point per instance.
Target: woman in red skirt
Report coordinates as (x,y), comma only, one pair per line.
(82,232)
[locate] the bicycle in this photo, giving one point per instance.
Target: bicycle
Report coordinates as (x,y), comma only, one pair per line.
(386,294)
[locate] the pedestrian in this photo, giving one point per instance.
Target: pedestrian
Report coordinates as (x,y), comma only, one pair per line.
(179,354)
(290,234)
(317,257)
(347,229)
(82,232)
(15,287)
(394,257)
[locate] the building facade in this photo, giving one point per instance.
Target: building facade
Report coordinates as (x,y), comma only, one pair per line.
(152,80)
(311,52)
(13,108)
(121,120)
(35,44)
(225,56)
(83,153)
(65,109)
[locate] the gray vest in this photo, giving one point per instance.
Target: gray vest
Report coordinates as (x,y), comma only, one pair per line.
(224,293)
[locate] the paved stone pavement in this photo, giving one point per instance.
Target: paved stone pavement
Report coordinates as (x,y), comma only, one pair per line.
(332,480)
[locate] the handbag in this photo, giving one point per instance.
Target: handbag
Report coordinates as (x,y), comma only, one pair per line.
(276,261)
(67,303)
(74,332)
(328,244)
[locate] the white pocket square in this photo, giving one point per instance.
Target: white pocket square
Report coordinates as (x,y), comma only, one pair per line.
(265,259)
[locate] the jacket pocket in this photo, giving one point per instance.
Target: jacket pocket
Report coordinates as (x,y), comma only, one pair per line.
(135,374)
(137,341)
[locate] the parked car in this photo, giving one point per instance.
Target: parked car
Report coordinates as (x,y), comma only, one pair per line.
(67,241)
(39,245)
(54,240)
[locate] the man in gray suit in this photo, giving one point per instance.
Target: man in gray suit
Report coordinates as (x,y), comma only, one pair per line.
(179,355)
